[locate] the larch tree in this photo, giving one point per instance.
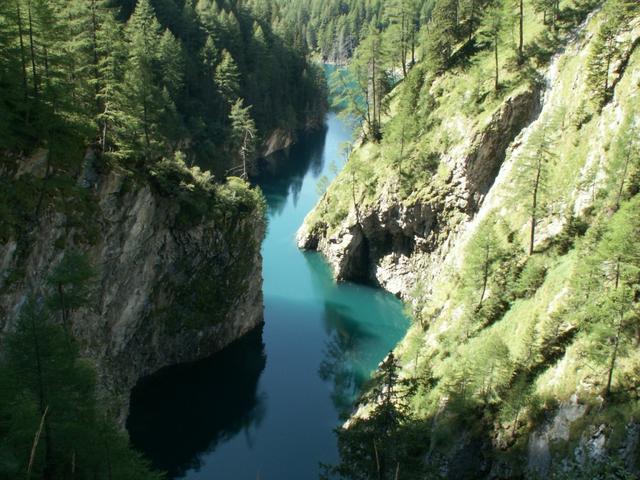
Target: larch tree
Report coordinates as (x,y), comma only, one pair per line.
(244,133)
(143,33)
(625,160)
(532,174)
(441,34)
(70,282)
(483,255)
(227,78)
(493,24)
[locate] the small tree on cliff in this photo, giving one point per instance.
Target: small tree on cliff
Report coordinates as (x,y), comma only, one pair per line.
(243,132)
(70,282)
(483,255)
(532,174)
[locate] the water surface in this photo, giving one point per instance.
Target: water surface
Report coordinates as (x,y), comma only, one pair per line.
(266,407)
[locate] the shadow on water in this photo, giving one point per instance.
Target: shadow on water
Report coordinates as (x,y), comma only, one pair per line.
(183,412)
(280,177)
(340,357)
(345,364)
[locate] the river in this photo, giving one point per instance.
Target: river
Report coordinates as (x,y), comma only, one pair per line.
(266,407)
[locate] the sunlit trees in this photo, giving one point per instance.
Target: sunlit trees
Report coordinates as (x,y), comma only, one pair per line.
(243,133)
(532,174)
(482,257)
(494,23)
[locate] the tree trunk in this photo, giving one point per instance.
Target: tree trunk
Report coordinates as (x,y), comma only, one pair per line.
(534,207)
(94,47)
(622,180)
(521,43)
(63,310)
(47,472)
(497,85)
(33,54)
(614,357)
(23,60)
(485,277)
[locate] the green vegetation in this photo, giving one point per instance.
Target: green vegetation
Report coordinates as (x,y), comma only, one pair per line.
(50,422)
(333,29)
(542,307)
(164,80)
(137,90)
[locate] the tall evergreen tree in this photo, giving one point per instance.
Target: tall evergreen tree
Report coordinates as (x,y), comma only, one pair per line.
(243,133)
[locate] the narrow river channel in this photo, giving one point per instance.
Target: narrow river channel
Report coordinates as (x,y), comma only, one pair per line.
(266,407)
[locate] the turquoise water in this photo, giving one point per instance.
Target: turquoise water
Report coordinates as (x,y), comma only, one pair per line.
(267,406)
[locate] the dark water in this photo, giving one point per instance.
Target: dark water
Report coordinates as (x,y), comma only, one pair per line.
(267,406)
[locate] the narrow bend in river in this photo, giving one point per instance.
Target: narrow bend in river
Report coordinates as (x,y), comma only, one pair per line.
(266,407)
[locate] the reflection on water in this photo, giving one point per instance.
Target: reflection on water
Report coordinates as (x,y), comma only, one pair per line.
(185,411)
(339,365)
(283,173)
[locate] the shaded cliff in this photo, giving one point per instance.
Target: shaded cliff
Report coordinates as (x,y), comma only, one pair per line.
(177,260)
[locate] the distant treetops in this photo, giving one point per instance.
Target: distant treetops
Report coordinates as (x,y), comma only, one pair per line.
(142,80)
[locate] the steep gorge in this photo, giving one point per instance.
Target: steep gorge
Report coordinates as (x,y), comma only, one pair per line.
(415,243)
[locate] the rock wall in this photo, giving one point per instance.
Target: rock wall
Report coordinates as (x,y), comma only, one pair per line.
(392,236)
(166,292)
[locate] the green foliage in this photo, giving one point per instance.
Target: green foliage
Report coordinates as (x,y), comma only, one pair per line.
(385,444)
(624,166)
(532,277)
(507,337)
(333,29)
(70,282)
(532,174)
(49,419)
(482,257)
(146,82)
(605,48)
(608,282)
(244,132)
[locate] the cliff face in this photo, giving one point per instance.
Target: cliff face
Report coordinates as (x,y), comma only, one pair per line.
(415,244)
(394,238)
(168,289)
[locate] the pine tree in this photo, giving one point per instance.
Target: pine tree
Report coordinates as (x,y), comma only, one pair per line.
(482,257)
(244,133)
(626,157)
(228,78)
(112,56)
(367,73)
(70,281)
(602,54)
(49,420)
(441,34)
(532,172)
(493,25)
(172,64)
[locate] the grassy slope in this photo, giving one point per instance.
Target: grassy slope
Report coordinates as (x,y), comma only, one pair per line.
(537,328)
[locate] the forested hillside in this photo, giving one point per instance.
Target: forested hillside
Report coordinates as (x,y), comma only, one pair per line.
(143,83)
(333,29)
(494,187)
(121,252)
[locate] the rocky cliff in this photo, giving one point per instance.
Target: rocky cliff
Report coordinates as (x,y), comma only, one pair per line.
(175,280)
(416,242)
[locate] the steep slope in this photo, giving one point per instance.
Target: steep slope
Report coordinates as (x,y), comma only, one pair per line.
(176,257)
(503,355)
